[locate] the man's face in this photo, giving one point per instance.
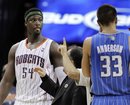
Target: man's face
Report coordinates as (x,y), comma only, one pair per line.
(34,24)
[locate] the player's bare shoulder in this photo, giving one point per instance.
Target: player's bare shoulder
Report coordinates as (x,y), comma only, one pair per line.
(54,48)
(87,45)
(55,56)
(13,49)
(88,40)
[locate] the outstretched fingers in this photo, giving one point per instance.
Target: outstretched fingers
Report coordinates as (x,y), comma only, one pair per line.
(41,72)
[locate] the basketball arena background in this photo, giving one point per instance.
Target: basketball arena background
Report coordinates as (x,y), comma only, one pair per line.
(72,19)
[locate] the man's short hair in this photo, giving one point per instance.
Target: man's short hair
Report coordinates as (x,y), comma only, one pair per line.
(76,56)
(106,14)
(31,12)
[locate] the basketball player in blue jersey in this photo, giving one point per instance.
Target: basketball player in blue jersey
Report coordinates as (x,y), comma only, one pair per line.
(106,58)
(24,57)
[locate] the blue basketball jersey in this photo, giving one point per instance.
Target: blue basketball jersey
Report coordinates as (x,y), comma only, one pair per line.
(110,64)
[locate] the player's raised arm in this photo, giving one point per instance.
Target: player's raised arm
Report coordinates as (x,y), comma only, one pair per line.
(69,67)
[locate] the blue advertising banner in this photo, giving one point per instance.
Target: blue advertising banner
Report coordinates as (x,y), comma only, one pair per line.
(76,19)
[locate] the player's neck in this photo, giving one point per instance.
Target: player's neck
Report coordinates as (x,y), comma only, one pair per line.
(35,39)
(109,29)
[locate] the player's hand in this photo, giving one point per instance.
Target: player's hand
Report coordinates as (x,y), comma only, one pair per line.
(41,72)
(63,47)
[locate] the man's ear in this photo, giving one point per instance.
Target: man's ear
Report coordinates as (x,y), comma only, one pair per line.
(99,26)
(25,23)
(98,23)
(72,61)
(116,20)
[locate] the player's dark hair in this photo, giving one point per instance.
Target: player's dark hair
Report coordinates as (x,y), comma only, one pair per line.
(106,14)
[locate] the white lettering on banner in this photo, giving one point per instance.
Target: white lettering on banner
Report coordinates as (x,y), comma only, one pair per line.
(56,18)
(89,19)
(123,20)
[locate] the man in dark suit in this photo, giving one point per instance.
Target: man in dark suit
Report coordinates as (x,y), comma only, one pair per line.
(67,93)
(63,94)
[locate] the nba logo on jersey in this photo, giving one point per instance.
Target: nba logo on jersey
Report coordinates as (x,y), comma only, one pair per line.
(112,37)
(42,50)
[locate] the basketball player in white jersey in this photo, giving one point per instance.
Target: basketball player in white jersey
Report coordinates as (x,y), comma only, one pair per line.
(24,57)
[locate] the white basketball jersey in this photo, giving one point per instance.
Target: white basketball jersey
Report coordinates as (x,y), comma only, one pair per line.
(28,82)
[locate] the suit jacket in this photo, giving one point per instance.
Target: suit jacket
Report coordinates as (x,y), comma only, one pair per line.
(79,96)
(66,93)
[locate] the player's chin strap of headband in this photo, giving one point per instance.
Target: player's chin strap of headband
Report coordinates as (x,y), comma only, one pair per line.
(33,13)
(60,74)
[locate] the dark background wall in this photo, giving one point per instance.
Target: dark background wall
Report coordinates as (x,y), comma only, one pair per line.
(12,27)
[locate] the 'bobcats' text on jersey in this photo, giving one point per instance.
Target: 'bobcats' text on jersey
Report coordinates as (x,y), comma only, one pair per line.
(26,60)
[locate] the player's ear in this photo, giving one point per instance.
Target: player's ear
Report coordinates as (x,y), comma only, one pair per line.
(98,22)
(25,23)
(116,20)
(99,26)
